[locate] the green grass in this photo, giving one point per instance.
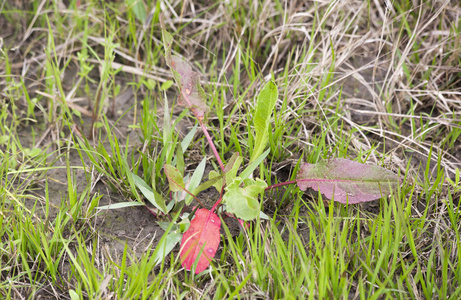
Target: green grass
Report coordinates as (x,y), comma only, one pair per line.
(87,99)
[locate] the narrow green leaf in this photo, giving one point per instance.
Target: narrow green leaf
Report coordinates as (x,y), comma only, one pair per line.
(167,132)
(214,180)
(232,167)
(165,246)
(195,179)
(264,107)
(231,162)
(167,241)
(120,205)
(167,42)
(251,167)
(188,138)
(170,206)
(155,198)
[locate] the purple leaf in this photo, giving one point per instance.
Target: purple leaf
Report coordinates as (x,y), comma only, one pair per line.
(347,181)
(192,94)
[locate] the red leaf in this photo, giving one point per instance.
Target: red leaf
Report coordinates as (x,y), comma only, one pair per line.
(202,238)
(348,181)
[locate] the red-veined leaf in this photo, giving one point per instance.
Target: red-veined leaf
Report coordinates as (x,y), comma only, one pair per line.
(347,181)
(174,177)
(202,238)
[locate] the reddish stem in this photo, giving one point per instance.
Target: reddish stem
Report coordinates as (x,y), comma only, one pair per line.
(151,211)
(280,184)
(185,190)
(195,197)
(205,131)
(210,141)
(219,200)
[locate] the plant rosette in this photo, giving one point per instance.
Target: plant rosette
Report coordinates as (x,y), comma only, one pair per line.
(341,180)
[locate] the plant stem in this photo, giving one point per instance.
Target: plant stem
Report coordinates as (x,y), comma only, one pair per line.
(185,190)
(210,141)
(219,200)
(151,211)
(204,129)
(280,184)
(193,196)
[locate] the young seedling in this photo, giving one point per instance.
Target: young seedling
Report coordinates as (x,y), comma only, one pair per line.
(342,180)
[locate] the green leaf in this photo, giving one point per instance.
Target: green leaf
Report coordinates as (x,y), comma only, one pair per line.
(4,139)
(170,206)
(166,85)
(195,179)
(214,178)
(155,198)
(264,107)
(175,178)
(217,179)
(169,239)
(120,205)
(165,246)
(98,125)
(164,225)
(167,132)
(73,295)
(243,201)
(263,216)
(167,42)
(138,8)
(232,167)
(188,138)
(34,152)
(251,167)
(230,172)
(184,225)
